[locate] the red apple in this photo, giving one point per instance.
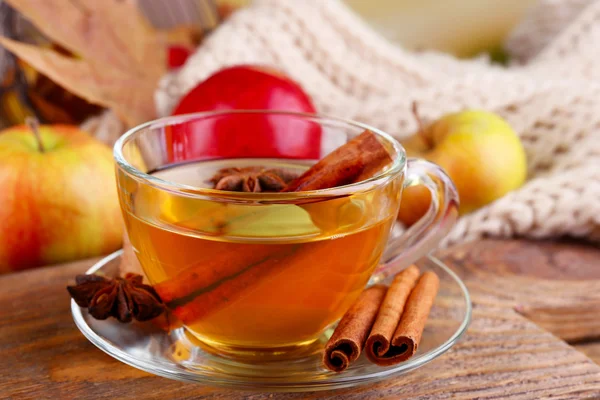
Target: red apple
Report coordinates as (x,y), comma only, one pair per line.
(177,56)
(246,87)
(58,201)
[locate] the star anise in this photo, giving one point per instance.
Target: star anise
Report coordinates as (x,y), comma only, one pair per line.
(252,179)
(122,298)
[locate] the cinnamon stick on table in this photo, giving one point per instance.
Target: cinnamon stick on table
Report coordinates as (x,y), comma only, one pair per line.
(407,337)
(379,341)
(388,323)
(348,339)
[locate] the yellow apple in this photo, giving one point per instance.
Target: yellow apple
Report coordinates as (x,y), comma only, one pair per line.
(414,204)
(480,152)
(58,200)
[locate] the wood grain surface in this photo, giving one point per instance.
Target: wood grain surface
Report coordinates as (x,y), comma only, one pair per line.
(592,350)
(555,285)
(503,355)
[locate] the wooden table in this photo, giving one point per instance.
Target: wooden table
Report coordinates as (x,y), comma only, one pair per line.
(526,295)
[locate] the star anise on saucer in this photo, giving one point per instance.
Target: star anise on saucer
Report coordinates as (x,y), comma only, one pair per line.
(123,298)
(252,179)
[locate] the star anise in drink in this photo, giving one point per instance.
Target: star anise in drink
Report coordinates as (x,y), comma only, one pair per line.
(252,179)
(123,298)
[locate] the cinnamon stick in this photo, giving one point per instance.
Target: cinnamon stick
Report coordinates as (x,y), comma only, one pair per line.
(357,160)
(408,334)
(348,339)
(378,343)
(219,267)
(195,293)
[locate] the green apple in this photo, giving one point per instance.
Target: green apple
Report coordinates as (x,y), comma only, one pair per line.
(480,152)
(58,197)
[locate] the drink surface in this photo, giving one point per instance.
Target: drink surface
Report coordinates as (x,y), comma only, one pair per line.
(255,275)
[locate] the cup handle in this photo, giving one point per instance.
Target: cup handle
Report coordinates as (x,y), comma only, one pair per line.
(424,235)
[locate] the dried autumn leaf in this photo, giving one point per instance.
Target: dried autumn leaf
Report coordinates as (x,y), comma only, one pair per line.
(130,96)
(120,57)
(110,32)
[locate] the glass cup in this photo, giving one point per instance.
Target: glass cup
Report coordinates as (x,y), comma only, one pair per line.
(266,272)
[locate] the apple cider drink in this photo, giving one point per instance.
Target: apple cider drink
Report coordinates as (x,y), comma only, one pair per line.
(257,274)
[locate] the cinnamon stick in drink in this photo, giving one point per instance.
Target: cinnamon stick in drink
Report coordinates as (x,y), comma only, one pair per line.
(219,268)
(357,160)
(348,339)
(194,294)
(406,338)
(379,341)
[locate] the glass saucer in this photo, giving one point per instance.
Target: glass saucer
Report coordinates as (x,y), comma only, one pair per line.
(177,356)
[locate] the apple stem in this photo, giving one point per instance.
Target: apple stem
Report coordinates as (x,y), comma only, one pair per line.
(415,111)
(34,125)
(420,124)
